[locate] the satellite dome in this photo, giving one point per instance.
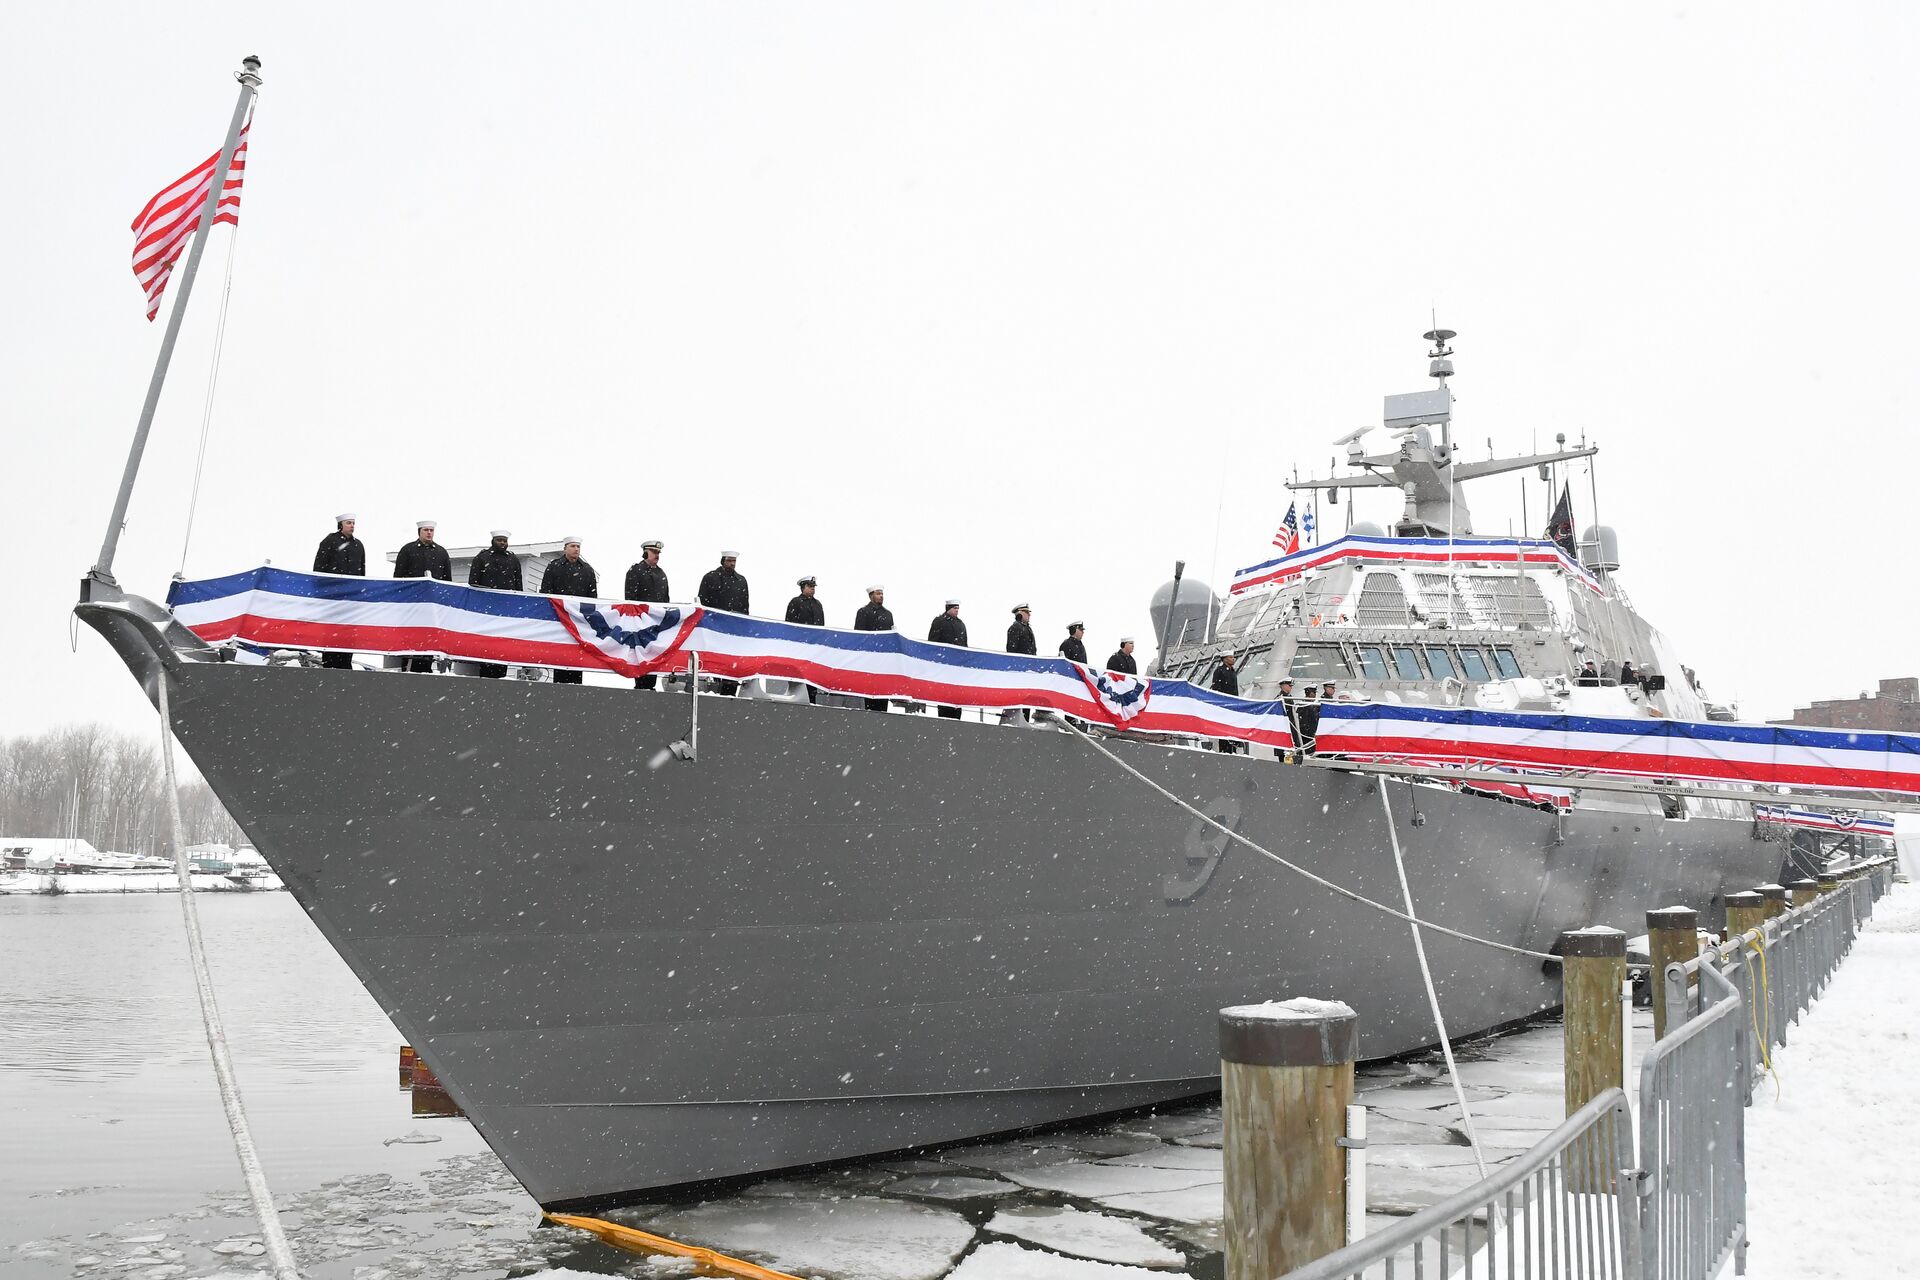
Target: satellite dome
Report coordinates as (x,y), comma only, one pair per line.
(1192,615)
(1367,529)
(1600,547)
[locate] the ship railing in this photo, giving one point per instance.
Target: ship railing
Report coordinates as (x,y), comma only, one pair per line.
(1565,1208)
(1726,1011)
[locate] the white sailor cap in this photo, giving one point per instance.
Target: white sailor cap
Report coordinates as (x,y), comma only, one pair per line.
(499,533)
(571,540)
(953,604)
(1126,640)
(425,524)
(729,555)
(875,587)
(1021,608)
(807,581)
(345,516)
(653,544)
(1076,626)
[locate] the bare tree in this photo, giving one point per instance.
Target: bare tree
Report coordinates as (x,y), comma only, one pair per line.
(105,787)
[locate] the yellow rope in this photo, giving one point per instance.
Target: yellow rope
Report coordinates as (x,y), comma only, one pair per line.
(646,1242)
(1755,941)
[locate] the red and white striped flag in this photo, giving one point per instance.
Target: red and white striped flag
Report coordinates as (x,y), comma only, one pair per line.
(163,228)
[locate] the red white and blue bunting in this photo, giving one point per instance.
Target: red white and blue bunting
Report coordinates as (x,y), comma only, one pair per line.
(1417,552)
(1858,824)
(277,608)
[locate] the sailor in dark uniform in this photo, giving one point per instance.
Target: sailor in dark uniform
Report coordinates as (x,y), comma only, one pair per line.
(647,584)
(1020,640)
(874,616)
(569,576)
(1226,680)
(807,611)
(497,569)
(1287,701)
(1020,632)
(1122,659)
(1307,714)
(340,552)
(1073,648)
(948,629)
(423,558)
(1588,676)
(725,588)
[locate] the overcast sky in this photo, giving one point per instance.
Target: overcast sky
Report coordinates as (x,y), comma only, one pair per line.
(999,301)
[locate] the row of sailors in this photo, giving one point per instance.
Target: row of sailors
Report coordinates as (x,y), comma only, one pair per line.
(724,587)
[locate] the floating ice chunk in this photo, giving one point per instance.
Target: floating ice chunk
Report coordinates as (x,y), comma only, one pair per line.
(1087,1235)
(1201,1204)
(1093,1180)
(1164,1157)
(950,1187)
(1014,1262)
(860,1238)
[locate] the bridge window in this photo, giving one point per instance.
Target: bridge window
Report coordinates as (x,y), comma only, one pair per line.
(1475,664)
(1440,664)
(1373,664)
(1406,664)
(1320,662)
(1509,666)
(1256,664)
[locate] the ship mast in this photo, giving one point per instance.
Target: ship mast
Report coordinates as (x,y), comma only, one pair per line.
(1425,472)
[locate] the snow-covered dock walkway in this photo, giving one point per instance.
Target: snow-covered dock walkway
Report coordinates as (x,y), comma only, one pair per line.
(1833,1162)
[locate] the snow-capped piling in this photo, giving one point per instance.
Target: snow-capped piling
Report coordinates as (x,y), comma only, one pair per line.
(1804,891)
(1286,1080)
(1775,896)
(1673,937)
(1593,970)
(1745,911)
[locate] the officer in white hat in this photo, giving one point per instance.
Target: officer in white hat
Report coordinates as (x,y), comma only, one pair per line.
(1020,632)
(647,584)
(340,552)
(725,588)
(423,558)
(1122,659)
(569,575)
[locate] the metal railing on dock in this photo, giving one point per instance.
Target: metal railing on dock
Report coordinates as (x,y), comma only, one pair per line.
(1585,1202)
(1565,1208)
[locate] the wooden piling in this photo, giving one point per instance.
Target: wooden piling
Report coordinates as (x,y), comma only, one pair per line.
(1828,884)
(1804,891)
(1286,1079)
(1744,911)
(1775,896)
(1593,970)
(1673,937)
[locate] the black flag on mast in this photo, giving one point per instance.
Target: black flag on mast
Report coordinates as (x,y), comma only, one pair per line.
(1560,524)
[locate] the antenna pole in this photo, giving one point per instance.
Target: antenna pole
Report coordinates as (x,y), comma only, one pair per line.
(102,571)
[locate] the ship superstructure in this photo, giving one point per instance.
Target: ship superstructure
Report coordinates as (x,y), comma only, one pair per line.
(1435,614)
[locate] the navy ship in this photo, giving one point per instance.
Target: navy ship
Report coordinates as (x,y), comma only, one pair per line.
(837,933)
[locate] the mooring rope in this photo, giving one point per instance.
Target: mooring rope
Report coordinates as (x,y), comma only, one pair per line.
(1433,996)
(279,1254)
(1299,870)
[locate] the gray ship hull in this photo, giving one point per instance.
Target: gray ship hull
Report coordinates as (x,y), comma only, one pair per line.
(842,933)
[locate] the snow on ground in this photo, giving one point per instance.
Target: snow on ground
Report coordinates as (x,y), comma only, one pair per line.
(1831,1174)
(43,882)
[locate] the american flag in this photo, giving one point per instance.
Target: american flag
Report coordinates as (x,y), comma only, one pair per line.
(162,228)
(1287,536)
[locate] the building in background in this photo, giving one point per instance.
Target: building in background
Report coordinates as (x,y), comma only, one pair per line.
(1894,709)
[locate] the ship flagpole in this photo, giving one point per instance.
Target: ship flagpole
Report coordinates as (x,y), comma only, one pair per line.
(102,571)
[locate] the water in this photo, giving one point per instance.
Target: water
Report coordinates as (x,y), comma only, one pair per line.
(115,1158)
(108,1110)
